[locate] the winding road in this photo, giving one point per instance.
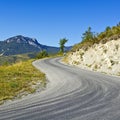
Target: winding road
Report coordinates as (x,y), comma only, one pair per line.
(71,94)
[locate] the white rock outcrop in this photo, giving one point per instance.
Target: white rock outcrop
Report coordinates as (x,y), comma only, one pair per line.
(100,57)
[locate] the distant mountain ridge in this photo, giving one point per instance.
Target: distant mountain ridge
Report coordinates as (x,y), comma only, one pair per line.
(20,45)
(22,39)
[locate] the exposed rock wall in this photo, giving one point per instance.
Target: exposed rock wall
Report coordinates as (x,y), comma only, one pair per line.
(100,57)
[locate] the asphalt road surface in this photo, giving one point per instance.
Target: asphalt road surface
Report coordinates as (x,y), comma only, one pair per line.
(71,94)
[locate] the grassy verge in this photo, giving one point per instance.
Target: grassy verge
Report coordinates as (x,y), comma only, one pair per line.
(19,79)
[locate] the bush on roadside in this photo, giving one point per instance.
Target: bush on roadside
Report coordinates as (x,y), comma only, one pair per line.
(42,54)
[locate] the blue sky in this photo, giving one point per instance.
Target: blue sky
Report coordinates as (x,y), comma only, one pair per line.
(50,20)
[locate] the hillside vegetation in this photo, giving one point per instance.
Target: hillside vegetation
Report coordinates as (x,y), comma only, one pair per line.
(19,79)
(90,38)
(98,52)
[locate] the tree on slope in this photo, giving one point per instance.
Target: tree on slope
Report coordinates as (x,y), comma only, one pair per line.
(88,35)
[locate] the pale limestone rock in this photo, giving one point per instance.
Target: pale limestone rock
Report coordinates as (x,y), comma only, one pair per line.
(100,57)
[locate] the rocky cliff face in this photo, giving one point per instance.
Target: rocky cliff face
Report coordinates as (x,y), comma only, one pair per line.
(24,40)
(100,57)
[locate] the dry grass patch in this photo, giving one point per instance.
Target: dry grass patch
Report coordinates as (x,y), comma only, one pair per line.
(19,78)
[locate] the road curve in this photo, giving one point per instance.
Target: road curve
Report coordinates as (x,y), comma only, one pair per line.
(71,94)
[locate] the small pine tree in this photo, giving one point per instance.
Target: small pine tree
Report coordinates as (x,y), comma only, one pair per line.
(108,31)
(88,35)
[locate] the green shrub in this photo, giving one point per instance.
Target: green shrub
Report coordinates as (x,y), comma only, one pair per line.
(42,54)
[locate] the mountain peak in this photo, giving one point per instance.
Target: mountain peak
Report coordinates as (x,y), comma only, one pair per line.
(20,44)
(21,39)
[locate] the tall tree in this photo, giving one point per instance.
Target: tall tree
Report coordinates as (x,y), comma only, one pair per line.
(88,35)
(62,44)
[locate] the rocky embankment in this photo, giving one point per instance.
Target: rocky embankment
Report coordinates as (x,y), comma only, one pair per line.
(100,57)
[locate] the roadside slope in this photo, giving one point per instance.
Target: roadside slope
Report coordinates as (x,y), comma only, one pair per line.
(19,80)
(99,57)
